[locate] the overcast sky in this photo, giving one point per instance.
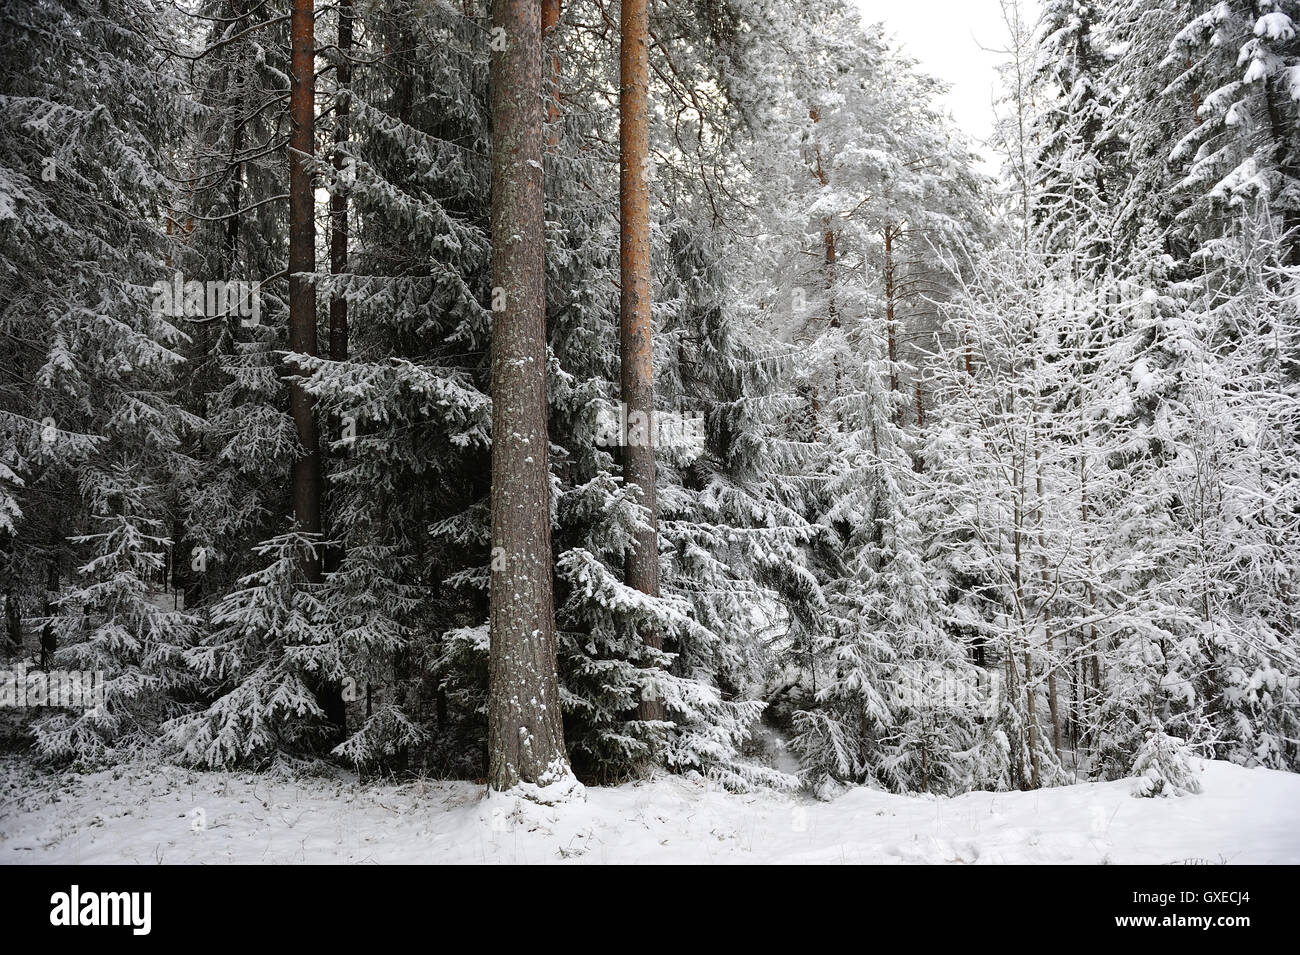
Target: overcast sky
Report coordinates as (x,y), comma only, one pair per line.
(946,36)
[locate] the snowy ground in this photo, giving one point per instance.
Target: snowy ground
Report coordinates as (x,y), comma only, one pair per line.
(150,814)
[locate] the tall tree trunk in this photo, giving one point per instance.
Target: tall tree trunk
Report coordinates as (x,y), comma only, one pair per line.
(339,198)
(230,241)
(635,349)
(338,328)
(550,17)
(302,302)
(890,328)
(1045,581)
(302,260)
(918,459)
(828,233)
(828,246)
(828,260)
(525,733)
(1094,651)
(1036,778)
(1031,717)
(1013,697)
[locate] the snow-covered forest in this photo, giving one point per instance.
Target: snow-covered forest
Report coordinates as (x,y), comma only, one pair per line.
(552,395)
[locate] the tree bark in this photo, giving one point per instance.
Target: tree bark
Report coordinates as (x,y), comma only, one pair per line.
(1036,778)
(525,733)
(890,327)
(635,349)
(1045,582)
(550,17)
(339,198)
(302,260)
(1094,651)
(302,302)
(338,318)
(828,233)
(1031,717)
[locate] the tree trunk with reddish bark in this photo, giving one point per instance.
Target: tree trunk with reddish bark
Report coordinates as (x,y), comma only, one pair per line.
(338,316)
(339,199)
(635,349)
(550,17)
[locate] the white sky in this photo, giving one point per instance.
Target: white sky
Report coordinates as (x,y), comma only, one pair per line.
(946,36)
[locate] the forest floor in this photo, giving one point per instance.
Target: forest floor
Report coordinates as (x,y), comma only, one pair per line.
(159,814)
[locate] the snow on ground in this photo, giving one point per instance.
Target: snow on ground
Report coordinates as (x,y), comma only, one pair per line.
(151,814)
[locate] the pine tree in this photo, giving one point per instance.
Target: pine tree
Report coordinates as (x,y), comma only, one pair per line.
(635,344)
(92,434)
(525,731)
